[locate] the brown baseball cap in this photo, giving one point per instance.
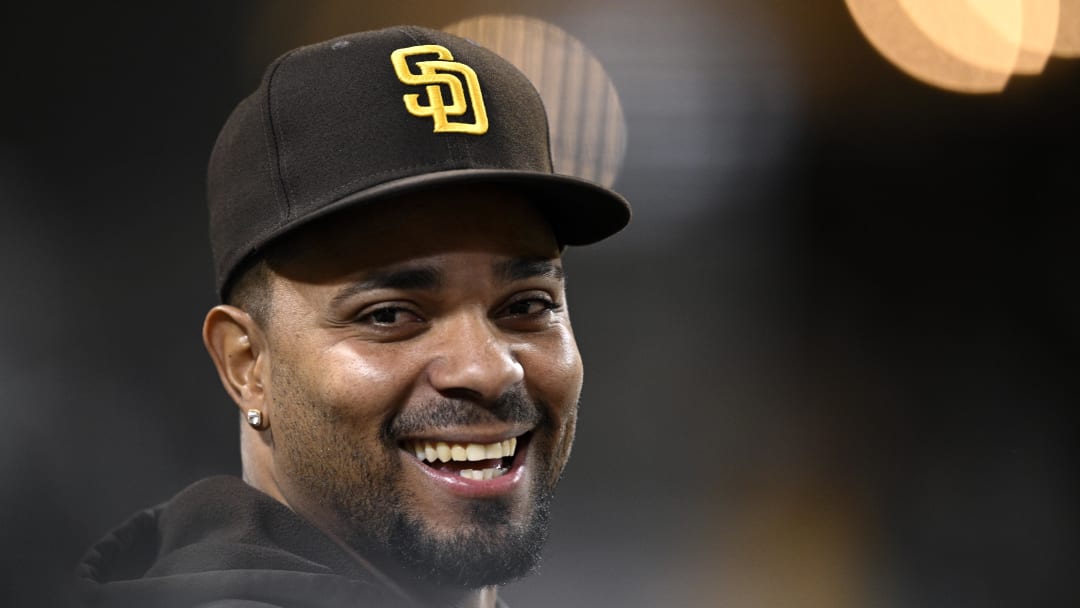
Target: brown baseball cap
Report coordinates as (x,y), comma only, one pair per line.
(365,116)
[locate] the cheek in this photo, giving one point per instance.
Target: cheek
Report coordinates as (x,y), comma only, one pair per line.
(554,374)
(330,409)
(553,369)
(364,382)
(360,366)
(343,390)
(567,373)
(561,453)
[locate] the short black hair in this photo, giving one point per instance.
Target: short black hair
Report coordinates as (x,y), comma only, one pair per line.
(250,285)
(249,290)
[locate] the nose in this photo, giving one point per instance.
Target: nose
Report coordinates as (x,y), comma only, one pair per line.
(473,360)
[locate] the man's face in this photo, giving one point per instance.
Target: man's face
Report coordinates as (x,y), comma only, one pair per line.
(402,332)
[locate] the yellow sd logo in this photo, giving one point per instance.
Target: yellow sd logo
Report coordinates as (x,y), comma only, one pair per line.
(434,73)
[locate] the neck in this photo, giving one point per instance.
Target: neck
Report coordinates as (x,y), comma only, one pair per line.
(472,598)
(479,598)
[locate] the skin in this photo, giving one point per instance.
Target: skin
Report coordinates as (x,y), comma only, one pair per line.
(353,360)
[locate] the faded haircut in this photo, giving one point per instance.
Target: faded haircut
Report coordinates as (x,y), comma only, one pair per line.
(249,290)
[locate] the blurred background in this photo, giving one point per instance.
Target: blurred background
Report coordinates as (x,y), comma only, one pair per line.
(828,365)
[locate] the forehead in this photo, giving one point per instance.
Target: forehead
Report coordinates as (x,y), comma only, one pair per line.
(460,219)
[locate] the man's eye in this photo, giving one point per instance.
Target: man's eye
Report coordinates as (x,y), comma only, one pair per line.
(531,307)
(389,315)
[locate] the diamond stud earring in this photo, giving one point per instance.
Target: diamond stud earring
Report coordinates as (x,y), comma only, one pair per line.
(255,419)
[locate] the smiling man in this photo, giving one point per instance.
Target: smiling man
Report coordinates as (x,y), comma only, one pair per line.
(387,232)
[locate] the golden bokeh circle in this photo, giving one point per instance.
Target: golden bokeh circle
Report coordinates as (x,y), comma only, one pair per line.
(585,116)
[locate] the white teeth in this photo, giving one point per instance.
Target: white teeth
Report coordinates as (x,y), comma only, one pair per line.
(458,453)
(481,474)
(442,451)
(475,451)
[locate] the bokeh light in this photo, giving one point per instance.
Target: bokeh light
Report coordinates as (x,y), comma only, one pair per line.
(588,131)
(1067,43)
(971,46)
(1038,29)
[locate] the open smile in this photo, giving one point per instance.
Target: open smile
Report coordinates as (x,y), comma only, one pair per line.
(472,467)
(482,460)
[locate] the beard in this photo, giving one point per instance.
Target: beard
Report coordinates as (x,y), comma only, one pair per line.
(490,551)
(351,469)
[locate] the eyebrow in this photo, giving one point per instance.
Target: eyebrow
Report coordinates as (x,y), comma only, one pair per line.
(519,269)
(427,278)
(430,278)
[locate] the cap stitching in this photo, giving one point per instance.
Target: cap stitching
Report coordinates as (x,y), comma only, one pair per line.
(281,194)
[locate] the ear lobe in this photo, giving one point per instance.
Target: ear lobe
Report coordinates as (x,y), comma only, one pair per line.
(235,344)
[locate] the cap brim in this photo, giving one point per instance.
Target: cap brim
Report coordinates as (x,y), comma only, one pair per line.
(580,212)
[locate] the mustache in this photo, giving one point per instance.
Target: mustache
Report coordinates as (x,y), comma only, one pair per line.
(513,407)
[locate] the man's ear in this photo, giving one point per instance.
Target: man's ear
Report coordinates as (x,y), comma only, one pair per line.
(237,346)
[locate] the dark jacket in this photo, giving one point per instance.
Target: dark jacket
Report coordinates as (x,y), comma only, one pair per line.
(221,543)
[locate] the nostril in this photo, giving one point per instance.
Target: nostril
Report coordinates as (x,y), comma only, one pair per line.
(463,394)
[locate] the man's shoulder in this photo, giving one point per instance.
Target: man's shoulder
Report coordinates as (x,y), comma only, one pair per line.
(218,543)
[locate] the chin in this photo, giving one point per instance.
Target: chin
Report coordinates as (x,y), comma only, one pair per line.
(488,550)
